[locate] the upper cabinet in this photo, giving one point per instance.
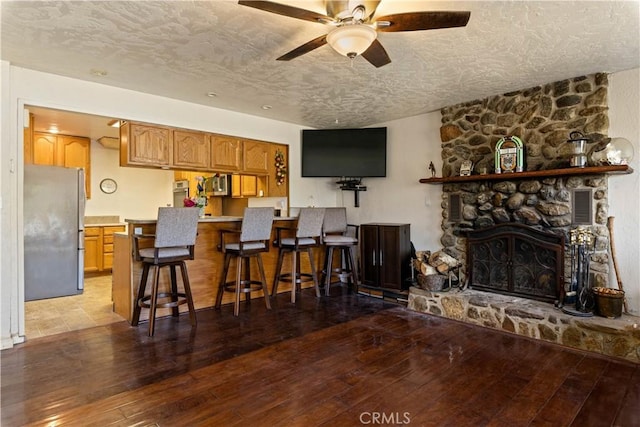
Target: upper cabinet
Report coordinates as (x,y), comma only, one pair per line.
(191,149)
(145,145)
(226,153)
(256,155)
(61,150)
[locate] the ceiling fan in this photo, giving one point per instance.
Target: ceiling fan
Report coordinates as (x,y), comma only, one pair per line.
(355,31)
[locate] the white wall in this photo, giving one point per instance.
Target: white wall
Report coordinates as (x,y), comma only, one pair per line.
(624,190)
(412,143)
(140,191)
(399,198)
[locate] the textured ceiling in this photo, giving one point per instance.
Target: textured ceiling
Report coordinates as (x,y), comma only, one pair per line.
(185,49)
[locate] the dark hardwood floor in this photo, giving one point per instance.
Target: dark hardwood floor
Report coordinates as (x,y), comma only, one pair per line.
(344,360)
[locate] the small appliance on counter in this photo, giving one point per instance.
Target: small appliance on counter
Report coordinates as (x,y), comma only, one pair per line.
(217,185)
(180,192)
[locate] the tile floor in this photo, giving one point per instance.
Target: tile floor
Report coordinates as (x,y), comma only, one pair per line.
(55,315)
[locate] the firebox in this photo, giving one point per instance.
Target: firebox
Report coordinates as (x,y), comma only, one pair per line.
(516,259)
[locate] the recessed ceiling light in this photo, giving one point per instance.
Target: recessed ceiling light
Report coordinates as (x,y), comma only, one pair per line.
(266,107)
(98,73)
(53,129)
(212,94)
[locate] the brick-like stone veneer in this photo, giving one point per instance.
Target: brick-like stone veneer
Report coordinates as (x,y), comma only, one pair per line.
(543,118)
(612,337)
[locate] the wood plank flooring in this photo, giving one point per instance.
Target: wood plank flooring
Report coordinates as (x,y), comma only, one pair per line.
(344,360)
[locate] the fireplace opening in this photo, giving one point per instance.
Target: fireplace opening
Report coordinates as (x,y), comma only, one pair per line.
(516,259)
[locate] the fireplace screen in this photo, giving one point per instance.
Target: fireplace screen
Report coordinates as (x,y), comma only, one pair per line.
(516,259)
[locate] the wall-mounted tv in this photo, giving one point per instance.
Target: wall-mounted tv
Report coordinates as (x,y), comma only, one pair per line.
(356,153)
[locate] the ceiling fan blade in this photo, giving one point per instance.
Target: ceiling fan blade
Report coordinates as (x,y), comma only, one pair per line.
(282,9)
(305,48)
(376,55)
(416,21)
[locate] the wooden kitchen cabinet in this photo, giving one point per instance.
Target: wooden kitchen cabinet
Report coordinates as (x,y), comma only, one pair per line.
(92,249)
(145,145)
(62,150)
(278,186)
(385,251)
(107,245)
(244,186)
(191,149)
(98,247)
(226,153)
(256,156)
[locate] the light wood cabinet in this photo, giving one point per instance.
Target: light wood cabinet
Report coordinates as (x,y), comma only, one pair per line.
(28,142)
(107,245)
(191,149)
(244,186)
(226,153)
(256,155)
(278,186)
(98,247)
(92,249)
(62,150)
(145,145)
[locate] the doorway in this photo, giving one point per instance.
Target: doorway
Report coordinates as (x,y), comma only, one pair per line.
(93,307)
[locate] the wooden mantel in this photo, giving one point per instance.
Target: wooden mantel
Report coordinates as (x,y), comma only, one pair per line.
(591,170)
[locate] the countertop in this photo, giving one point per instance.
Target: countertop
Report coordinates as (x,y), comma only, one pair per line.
(103,221)
(207,219)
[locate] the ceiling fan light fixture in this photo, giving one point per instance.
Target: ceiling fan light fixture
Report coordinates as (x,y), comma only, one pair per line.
(351,40)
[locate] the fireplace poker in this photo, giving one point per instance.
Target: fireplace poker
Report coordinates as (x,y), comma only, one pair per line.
(615,262)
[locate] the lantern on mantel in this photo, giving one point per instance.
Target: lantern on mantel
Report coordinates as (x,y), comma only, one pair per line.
(509,155)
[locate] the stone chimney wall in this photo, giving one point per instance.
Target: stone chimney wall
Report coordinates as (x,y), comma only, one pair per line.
(543,118)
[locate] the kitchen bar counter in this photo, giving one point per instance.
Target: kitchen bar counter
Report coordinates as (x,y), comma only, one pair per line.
(204,271)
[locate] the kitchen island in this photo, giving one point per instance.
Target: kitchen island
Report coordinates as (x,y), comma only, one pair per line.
(204,271)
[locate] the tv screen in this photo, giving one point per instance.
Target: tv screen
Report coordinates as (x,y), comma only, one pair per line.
(355,153)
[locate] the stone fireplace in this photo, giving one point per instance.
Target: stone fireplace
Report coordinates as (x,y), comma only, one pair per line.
(543,118)
(472,210)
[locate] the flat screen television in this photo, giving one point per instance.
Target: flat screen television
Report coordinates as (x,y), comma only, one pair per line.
(336,153)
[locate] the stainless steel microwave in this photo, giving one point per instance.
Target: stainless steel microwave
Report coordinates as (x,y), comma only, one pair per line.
(218,185)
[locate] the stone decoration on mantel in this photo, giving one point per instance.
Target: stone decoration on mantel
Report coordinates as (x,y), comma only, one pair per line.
(543,118)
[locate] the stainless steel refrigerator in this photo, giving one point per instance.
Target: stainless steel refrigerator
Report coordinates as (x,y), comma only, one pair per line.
(54,202)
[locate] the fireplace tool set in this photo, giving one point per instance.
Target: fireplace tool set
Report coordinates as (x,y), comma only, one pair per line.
(582,245)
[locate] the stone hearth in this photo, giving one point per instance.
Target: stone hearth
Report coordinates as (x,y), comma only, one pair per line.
(538,320)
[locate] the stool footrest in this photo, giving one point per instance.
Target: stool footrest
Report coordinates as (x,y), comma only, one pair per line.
(144,302)
(245,286)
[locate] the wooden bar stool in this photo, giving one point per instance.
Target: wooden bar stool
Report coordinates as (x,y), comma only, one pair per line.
(336,235)
(308,235)
(253,240)
(174,243)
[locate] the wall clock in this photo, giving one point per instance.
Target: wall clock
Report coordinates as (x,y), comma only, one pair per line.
(108,186)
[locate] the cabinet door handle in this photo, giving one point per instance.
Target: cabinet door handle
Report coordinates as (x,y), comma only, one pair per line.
(373,257)
(380,257)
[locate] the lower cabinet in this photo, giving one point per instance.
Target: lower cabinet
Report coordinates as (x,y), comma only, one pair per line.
(385,251)
(98,247)
(92,249)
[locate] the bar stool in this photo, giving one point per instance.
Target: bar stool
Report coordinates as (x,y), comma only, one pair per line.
(254,239)
(175,238)
(336,235)
(308,235)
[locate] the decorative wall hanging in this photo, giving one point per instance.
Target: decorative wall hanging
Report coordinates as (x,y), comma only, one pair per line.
(281,168)
(509,155)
